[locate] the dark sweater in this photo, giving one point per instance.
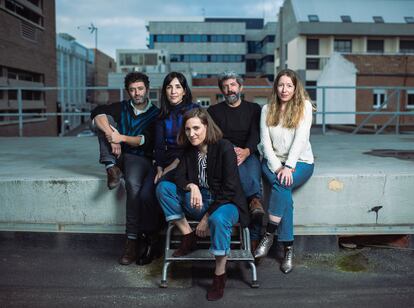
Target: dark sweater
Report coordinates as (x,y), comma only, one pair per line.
(166,131)
(240,125)
(131,125)
(222,176)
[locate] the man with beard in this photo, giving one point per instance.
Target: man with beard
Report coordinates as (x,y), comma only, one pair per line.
(126,142)
(239,121)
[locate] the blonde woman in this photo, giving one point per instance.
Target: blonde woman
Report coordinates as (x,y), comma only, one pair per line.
(287,158)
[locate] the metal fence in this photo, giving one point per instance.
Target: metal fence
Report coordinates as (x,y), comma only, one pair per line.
(397,103)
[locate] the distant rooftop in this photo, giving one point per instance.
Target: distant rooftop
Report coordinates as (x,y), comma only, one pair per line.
(391,11)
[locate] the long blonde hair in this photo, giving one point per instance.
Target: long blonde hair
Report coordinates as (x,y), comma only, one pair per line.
(294,109)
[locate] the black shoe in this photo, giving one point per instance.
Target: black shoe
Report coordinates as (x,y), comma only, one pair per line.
(149,249)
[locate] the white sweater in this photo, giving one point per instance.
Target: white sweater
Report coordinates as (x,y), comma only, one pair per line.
(279,144)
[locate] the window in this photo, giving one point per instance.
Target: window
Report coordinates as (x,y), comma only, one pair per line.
(311,92)
(379,97)
(407,46)
(375,46)
(203,101)
(378,19)
(24,12)
(312,63)
(343,45)
(253,47)
(251,65)
(409,19)
(313,18)
(346,18)
(410,99)
(312,47)
(195,38)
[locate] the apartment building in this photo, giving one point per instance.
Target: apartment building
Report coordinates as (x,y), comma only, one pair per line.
(310,31)
(203,47)
(27,61)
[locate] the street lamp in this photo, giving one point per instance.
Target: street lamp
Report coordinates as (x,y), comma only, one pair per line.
(93,29)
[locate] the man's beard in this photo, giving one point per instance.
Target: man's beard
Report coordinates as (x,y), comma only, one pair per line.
(140,99)
(232,98)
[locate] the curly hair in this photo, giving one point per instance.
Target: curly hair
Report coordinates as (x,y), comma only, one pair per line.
(136,77)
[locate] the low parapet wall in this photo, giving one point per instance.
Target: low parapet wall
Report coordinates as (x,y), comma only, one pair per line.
(56,184)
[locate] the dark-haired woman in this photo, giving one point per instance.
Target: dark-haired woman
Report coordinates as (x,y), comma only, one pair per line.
(207,188)
(176,99)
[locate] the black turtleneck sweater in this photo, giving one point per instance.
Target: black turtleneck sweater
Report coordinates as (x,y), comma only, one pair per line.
(240,125)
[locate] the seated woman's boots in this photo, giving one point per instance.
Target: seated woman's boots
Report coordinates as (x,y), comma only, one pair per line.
(216,290)
(188,244)
(264,246)
(287,263)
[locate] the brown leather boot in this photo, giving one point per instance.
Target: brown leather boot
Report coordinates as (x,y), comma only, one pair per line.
(114,175)
(129,255)
(256,209)
(216,290)
(188,244)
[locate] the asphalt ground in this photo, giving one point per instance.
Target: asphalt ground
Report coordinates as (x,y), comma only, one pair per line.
(81,270)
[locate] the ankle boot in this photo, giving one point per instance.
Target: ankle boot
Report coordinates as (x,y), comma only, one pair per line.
(188,244)
(287,262)
(216,290)
(264,246)
(129,255)
(150,249)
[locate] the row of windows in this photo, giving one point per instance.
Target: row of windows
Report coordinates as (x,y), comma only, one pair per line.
(374,46)
(196,38)
(348,19)
(206,58)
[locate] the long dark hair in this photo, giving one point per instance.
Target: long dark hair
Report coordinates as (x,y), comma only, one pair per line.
(165,104)
(213,133)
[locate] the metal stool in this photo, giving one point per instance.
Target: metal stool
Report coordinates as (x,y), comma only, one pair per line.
(240,253)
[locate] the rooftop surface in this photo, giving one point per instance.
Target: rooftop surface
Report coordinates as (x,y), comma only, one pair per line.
(50,179)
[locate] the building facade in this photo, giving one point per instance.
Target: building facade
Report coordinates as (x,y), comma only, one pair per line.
(207,46)
(27,61)
(310,31)
(381,83)
(98,68)
(72,60)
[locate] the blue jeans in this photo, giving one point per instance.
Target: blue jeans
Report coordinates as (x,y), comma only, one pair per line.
(281,202)
(250,178)
(176,205)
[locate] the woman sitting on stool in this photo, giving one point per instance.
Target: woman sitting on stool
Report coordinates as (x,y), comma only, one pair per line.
(207,189)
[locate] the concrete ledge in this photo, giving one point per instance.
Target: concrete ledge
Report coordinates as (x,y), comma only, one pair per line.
(56,184)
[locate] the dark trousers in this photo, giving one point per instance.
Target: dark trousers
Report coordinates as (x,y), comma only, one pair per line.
(142,210)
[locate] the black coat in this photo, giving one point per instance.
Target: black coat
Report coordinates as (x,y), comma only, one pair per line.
(222,176)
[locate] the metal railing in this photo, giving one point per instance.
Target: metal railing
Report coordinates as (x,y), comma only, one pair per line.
(322,100)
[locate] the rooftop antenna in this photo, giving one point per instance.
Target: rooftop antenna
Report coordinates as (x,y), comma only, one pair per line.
(203,12)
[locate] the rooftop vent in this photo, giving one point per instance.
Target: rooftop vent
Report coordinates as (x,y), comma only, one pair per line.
(378,19)
(409,19)
(346,18)
(313,18)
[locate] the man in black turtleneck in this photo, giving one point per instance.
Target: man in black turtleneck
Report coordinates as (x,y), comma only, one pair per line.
(239,121)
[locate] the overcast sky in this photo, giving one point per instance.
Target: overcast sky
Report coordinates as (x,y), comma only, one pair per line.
(121,23)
